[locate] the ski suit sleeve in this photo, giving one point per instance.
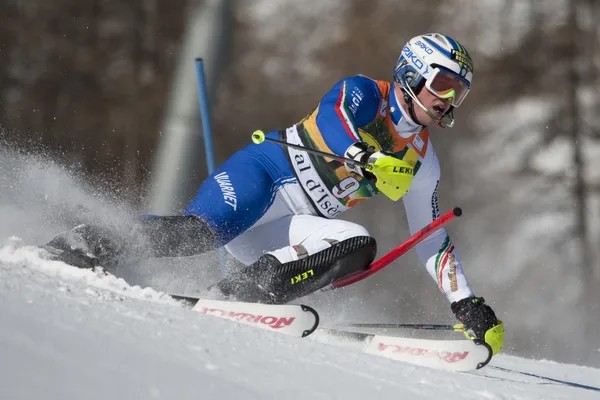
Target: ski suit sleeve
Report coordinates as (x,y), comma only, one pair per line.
(436,253)
(351,103)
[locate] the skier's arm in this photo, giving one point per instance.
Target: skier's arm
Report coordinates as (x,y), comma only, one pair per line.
(441,259)
(437,252)
(351,103)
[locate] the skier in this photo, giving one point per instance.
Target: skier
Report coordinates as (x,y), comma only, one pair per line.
(273,207)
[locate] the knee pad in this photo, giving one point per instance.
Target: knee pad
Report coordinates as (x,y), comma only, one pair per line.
(341,259)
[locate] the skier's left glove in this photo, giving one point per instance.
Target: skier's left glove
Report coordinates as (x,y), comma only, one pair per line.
(479,321)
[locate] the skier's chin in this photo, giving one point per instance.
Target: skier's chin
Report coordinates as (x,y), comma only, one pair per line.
(425,119)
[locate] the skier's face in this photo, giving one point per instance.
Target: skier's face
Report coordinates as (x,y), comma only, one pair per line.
(434,104)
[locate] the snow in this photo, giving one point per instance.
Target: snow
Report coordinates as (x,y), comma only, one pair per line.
(67,333)
(72,334)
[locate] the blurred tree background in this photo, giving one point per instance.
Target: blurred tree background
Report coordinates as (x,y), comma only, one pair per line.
(88,83)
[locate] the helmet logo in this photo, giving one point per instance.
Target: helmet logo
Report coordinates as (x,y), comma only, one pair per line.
(422,45)
(414,59)
(464,61)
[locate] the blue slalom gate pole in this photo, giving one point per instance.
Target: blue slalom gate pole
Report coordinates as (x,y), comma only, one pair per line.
(205,115)
(207,133)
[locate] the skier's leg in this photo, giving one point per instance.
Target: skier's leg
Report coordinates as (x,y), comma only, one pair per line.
(228,202)
(231,200)
(324,250)
(234,197)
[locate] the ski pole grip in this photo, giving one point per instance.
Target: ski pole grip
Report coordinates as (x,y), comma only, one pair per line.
(258,137)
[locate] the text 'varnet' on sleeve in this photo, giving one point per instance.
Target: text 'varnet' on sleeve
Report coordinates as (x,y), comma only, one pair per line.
(351,103)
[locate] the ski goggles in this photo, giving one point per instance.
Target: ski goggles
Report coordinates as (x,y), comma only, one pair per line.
(446,84)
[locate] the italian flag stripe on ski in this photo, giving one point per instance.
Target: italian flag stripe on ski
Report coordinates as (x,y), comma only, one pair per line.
(442,260)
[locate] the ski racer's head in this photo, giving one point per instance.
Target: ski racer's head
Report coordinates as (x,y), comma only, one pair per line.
(433,75)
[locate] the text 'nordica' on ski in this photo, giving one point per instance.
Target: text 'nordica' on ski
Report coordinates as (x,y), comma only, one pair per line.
(450,355)
(300,321)
(291,319)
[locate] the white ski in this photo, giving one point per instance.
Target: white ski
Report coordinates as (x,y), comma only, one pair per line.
(449,355)
(290,319)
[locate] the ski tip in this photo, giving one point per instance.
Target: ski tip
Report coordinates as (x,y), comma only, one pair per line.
(185,301)
(315,314)
(457,211)
(489,349)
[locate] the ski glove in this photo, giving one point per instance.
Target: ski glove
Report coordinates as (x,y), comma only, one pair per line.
(479,321)
(392,176)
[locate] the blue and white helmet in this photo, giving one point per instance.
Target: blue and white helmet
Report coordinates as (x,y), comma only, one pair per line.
(438,63)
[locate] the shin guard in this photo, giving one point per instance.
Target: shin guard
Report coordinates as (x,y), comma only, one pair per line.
(270,281)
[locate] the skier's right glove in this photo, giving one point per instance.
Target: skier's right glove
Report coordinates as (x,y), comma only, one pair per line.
(392,176)
(479,321)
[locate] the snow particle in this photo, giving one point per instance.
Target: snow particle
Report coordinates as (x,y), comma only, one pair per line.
(211,367)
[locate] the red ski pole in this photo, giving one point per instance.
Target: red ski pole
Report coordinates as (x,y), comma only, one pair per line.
(398,251)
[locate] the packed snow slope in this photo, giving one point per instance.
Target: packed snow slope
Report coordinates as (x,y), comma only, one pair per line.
(67,333)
